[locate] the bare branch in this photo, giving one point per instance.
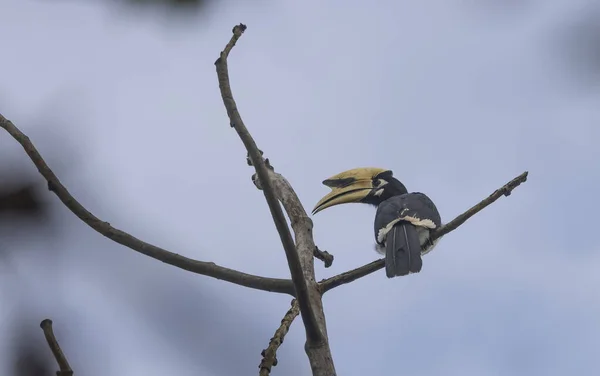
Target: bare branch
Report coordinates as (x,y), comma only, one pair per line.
(63,364)
(307,310)
(104,228)
(270,353)
(353,275)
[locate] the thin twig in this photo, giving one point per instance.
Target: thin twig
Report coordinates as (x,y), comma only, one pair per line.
(269,354)
(104,228)
(63,364)
(352,275)
(324,256)
(237,32)
(307,312)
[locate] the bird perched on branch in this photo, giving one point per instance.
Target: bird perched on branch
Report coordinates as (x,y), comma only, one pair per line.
(403,221)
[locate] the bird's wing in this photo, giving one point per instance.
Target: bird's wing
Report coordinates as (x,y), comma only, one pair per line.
(415,208)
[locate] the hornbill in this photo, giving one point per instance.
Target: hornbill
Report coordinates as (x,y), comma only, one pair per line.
(403,220)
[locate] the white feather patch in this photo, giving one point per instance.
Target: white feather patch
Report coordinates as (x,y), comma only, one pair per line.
(423,236)
(427,223)
(380,248)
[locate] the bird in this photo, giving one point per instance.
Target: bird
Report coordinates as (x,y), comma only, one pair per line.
(403,221)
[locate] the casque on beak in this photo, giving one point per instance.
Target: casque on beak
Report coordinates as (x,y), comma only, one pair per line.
(348,187)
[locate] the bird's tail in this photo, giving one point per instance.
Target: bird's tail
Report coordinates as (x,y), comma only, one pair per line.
(402,250)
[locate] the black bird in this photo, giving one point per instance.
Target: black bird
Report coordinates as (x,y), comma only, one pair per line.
(403,220)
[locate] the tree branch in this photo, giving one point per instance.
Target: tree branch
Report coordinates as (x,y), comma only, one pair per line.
(104,228)
(307,311)
(63,364)
(353,275)
(270,353)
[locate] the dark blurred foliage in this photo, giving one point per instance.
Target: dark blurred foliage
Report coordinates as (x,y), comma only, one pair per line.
(20,199)
(22,210)
(177,11)
(577,45)
(21,202)
(170,7)
(176,5)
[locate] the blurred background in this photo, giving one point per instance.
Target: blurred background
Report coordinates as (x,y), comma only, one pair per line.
(121,98)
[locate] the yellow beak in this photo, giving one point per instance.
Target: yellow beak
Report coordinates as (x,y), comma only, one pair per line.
(348,187)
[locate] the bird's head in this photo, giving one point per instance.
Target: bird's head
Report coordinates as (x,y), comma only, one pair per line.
(367,185)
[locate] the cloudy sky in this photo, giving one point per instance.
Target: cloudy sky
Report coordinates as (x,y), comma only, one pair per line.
(457,98)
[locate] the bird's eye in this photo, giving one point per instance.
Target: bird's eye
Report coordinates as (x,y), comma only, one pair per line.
(377,183)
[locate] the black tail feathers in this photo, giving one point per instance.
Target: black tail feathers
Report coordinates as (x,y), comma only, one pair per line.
(402,251)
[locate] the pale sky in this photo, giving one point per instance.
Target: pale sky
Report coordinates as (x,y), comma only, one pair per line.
(456,98)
